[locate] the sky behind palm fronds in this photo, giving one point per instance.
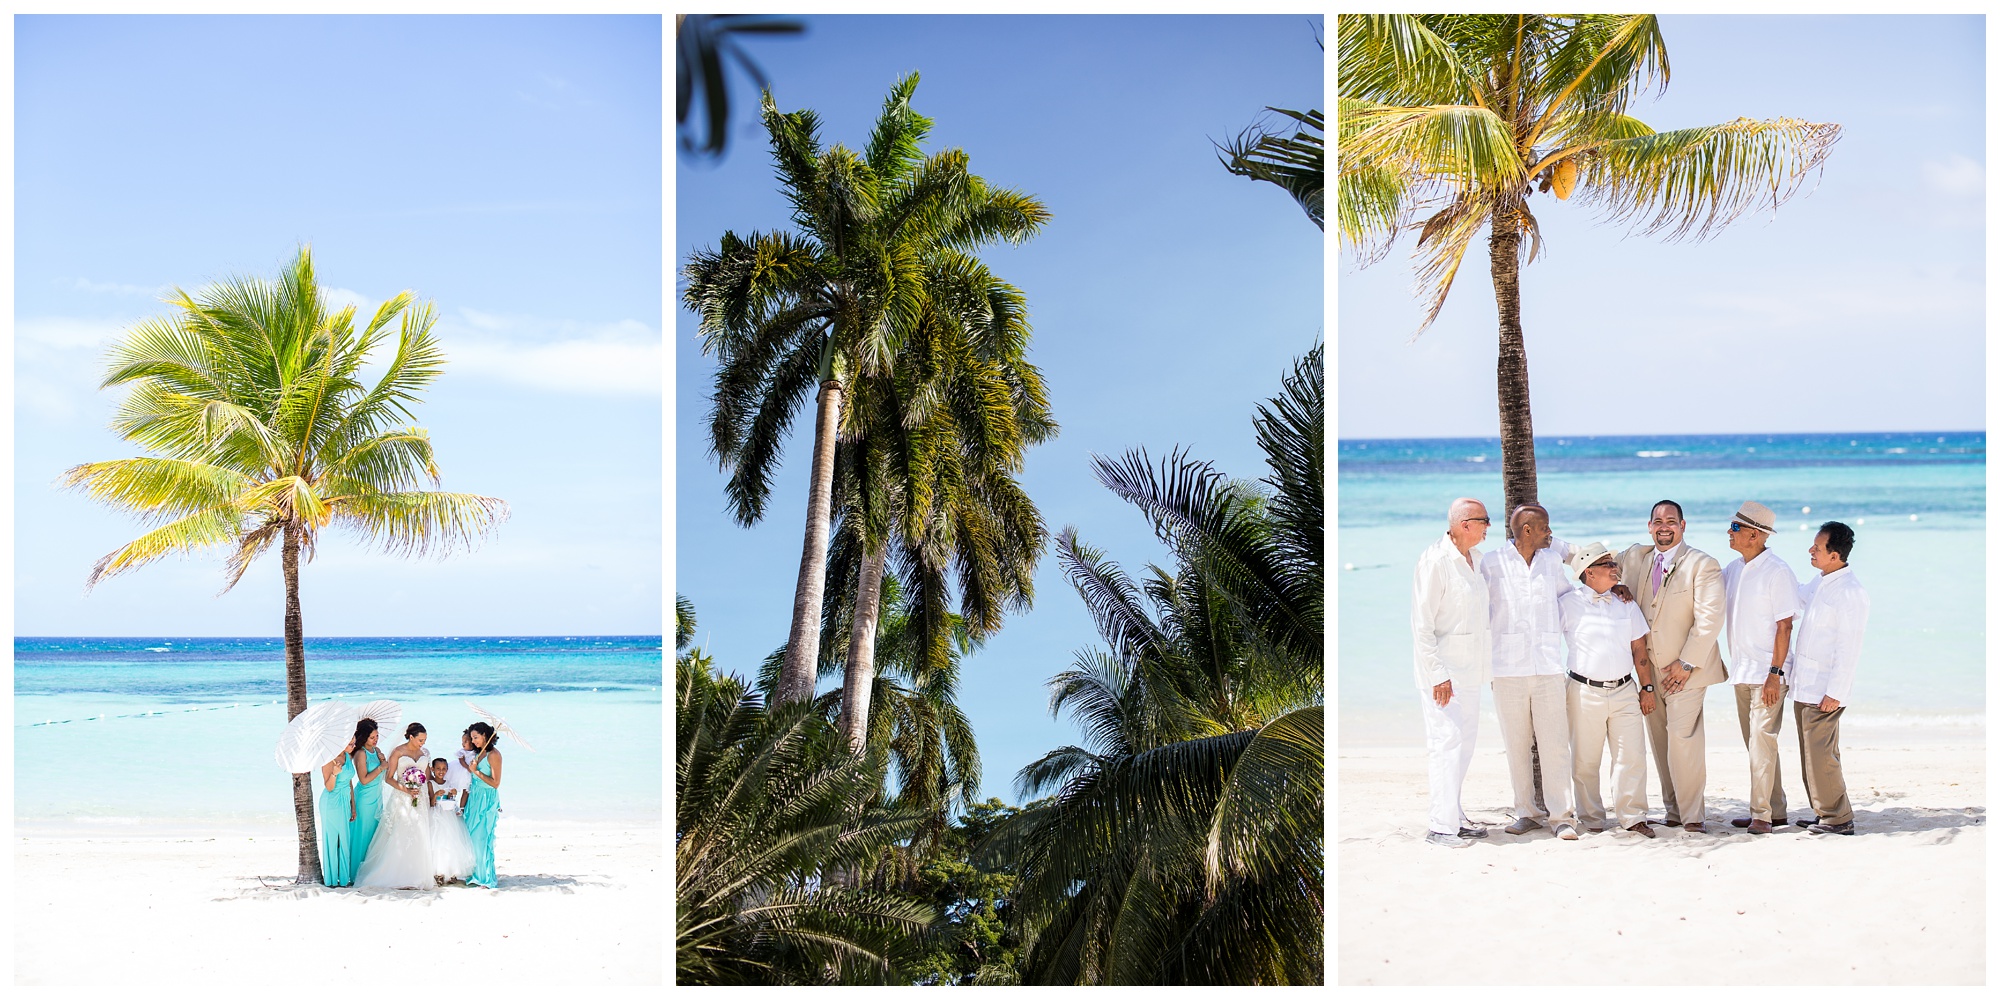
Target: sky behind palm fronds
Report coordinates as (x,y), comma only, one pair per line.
(1857,307)
(1168,297)
(507,169)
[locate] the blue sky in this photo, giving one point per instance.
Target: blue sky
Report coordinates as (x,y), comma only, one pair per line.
(1858,308)
(507,169)
(1168,297)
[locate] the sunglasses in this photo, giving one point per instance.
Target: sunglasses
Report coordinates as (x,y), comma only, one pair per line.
(1481,520)
(1735,526)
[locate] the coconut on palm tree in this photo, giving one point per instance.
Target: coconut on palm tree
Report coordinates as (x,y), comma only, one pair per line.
(1451,123)
(829,306)
(250,397)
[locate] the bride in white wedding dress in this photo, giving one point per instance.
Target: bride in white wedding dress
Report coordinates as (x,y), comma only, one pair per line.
(400,855)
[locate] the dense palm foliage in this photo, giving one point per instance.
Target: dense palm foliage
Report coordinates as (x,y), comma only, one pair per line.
(263,433)
(1183,843)
(881,249)
(929,476)
(770,808)
(1450,123)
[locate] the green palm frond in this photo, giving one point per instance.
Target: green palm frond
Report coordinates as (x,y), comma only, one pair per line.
(1296,162)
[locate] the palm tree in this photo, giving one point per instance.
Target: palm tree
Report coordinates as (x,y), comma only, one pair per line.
(1451,122)
(1295,162)
(249,396)
(768,804)
(831,305)
(1183,840)
(705,45)
(931,476)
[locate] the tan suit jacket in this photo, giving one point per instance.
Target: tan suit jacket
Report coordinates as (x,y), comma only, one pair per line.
(1685,615)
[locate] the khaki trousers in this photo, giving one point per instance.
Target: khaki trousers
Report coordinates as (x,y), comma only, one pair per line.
(1761,725)
(1680,753)
(1595,717)
(1534,716)
(1819,749)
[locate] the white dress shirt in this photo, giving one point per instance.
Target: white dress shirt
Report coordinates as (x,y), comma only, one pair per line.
(1760,594)
(1522,595)
(1828,644)
(1449,620)
(1600,629)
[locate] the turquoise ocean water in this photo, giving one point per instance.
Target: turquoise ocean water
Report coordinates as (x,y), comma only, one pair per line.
(1917,502)
(178,733)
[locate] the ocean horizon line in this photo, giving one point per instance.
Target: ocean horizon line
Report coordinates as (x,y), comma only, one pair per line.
(312,638)
(1541,435)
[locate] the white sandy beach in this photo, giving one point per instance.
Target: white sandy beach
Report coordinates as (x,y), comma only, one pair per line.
(580,904)
(1903,901)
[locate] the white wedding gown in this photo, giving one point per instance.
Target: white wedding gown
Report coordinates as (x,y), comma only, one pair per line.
(400,855)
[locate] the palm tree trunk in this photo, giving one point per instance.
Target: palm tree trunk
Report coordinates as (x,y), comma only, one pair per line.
(1517,423)
(797,678)
(860,679)
(295,702)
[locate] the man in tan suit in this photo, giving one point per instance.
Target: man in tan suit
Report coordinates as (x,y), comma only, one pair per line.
(1680,591)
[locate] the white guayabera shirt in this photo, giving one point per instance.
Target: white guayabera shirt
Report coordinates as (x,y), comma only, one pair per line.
(1600,629)
(1759,594)
(1522,596)
(1448,621)
(1829,640)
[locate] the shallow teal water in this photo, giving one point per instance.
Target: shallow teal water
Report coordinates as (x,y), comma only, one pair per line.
(105,737)
(1923,658)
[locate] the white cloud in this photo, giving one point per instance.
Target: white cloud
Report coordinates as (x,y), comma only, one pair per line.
(621,358)
(114,288)
(1955,177)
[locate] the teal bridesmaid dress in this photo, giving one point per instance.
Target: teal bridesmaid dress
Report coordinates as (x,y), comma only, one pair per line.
(482,812)
(367,813)
(336,861)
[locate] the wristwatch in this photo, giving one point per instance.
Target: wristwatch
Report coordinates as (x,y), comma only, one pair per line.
(1777,671)
(1645,689)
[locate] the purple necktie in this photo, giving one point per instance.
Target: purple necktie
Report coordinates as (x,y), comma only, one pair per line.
(1659,569)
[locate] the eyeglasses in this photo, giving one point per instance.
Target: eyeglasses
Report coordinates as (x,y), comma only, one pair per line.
(1481,520)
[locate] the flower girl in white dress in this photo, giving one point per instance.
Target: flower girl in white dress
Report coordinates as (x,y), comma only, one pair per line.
(451,846)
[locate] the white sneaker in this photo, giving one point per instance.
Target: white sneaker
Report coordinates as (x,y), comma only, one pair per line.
(1447,839)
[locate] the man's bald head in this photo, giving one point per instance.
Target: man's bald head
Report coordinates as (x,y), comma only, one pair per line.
(1467,523)
(1528,526)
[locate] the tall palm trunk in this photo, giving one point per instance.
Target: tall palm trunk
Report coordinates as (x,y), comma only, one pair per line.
(1517,424)
(295,702)
(797,678)
(860,680)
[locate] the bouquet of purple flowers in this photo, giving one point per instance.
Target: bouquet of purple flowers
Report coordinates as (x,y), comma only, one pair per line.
(414,777)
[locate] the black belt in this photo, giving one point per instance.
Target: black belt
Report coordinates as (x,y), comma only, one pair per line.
(1620,682)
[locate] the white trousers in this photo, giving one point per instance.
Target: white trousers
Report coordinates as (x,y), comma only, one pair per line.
(1597,716)
(1534,711)
(1449,732)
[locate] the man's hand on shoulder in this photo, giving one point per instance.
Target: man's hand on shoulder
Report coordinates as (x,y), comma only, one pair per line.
(1624,593)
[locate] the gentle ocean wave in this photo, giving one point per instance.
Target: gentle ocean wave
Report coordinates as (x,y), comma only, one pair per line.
(208,669)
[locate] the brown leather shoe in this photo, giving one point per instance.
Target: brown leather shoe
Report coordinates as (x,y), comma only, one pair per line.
(1741,822)
(1642,830)
(1694,828)
(1758,826)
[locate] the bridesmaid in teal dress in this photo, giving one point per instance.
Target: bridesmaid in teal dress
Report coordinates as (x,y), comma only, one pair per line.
(336,819)
(368,768)
(482,807)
